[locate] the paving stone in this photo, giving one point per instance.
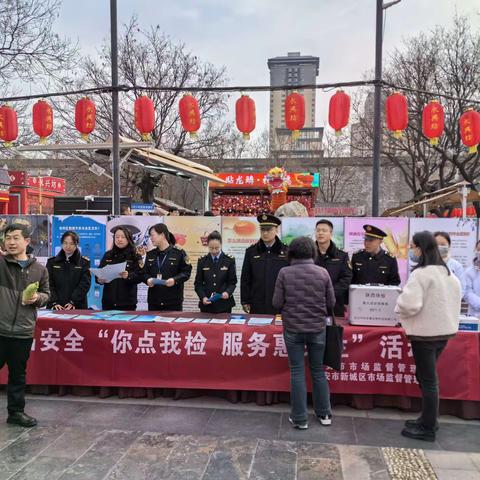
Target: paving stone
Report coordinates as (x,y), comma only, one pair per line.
(459,437)
(10,433)
(450,460)
(446,474)
(52,411)
(475,458)
(362,463)
(273,461)
(407,464)
(43,468)
(315,468)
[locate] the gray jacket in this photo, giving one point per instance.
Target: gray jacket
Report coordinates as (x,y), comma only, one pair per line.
(304,294)
(17,320)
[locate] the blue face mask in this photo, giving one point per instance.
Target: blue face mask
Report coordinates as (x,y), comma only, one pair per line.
(413,258)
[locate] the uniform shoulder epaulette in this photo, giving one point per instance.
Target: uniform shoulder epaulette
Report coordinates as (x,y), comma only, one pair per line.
(390,254)
(359,251)
(229,256)
(178,248)
(85,257)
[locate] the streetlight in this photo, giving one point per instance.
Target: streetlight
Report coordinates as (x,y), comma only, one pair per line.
(377,116)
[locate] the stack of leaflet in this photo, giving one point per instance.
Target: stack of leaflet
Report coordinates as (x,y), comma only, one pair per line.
(237,319)
(260,321)
(468,324)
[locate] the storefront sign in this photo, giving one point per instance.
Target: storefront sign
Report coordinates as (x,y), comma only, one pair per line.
(258,181)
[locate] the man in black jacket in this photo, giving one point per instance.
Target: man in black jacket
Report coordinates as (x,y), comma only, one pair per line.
(261,265)
(17,318)
(336,262)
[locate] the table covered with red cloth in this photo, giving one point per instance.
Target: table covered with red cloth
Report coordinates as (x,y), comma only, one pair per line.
(103,353)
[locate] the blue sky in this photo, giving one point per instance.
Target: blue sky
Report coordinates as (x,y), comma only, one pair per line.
(242,34)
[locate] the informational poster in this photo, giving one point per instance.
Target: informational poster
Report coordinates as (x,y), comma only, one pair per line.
(39,230)
(396,241)
(91,230)
(191,234)
(238,234)
(305,226)
(463,234)
(139,226)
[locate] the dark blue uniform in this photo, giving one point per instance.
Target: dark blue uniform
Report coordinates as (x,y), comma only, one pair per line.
(259,275)
(216,277)
(170,263)
(380,269)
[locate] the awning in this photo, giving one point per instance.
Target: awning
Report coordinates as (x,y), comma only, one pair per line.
(449,196)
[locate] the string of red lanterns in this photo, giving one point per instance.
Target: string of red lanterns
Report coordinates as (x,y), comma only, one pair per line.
(396,110)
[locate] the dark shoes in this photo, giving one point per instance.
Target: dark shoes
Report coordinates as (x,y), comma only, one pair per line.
(22,419)
(418,432)
(414,423)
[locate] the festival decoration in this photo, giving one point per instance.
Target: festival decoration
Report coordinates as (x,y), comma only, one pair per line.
(42,120)
(144,116)
(295,113)
(245,115)
(339,111)
(277,184)
(433,121)
(470,129)
(8,125)
(85,117)
(190,114)
(397,114)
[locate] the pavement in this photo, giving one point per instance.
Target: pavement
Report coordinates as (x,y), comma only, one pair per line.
(211,439)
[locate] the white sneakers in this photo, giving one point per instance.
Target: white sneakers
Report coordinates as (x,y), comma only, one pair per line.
(325,420)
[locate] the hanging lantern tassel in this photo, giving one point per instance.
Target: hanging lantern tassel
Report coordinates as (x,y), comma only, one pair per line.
(434,141)
(472,149)
(397,134)
(295,135)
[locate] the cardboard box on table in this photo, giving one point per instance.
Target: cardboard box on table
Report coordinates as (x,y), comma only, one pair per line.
(468,324)
(373,305)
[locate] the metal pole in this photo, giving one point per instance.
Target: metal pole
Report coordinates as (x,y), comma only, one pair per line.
(377,118)
(115,122)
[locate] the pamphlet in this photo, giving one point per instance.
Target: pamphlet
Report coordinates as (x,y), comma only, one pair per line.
(219,320)
(259,321)
(183,320)
(144,318)
(120,318)
(109,272)
(161,319)
(202,320)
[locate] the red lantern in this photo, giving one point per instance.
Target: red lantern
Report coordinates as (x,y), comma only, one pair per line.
(144,116)
(245,115)
(397,114)
(42,120)
(85,115)
(295,113)
(189,114)
(470,129)
(433,121)
(339,111)
(8,125)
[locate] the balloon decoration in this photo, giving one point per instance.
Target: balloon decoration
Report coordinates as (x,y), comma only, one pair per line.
(339,111)
(144,116)
(295,113)
(277,184)
(470,129)
(8,125)
(397,114)
(190,114)
(245,115)
(42,120)
(433,121)
(85,117)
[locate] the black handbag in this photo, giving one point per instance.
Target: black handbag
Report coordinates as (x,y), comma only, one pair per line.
(333,345)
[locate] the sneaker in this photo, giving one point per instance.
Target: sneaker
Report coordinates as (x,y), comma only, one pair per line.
(325,420)
(416,422)
(299,425)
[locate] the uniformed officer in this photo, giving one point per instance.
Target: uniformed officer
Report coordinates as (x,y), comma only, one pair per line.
(261,265)
(69,276)
(336,262)
(165,262)
(373,264)
(216,273)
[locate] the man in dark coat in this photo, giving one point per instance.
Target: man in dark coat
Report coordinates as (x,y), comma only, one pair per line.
(373,264)
(261,265)
(335,261)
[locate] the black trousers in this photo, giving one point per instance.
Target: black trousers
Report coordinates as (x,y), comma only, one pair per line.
(15,353)
(426,355)
(164,308)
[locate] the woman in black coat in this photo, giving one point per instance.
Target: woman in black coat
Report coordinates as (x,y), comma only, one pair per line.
(69,276)
(121,293)
(216,273)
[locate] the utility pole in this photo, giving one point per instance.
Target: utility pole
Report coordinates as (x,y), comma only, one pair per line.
(377,116)
(115,155)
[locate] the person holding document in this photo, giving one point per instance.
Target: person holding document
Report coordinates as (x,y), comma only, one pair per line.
(121,293)
(216,277)
(165,271)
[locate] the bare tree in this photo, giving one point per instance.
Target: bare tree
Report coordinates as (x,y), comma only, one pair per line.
(447,60)
(337,177)
(29,47)
(148,58)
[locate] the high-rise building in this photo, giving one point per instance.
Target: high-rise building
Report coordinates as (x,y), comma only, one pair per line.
(290,71)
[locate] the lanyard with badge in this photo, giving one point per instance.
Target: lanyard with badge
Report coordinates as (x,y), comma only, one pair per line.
(160,265)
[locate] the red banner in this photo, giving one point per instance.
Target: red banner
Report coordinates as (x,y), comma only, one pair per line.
(258,180)
(376,360)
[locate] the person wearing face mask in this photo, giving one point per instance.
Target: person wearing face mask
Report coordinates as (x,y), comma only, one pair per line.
(472,285)
(444,245)
(216,273)
(69,276)
(261,264)
(429,310)
(121,293)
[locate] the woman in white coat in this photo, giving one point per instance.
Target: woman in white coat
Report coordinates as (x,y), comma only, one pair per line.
(429,309)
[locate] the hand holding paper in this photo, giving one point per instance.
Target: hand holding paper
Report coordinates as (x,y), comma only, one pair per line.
(109,272)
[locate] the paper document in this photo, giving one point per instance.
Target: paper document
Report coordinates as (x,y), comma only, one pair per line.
(109,272)
(260,321)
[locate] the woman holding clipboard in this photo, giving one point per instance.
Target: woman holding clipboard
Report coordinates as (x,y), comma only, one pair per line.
(216,278)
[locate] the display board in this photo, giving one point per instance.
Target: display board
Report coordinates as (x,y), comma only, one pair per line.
(305,226)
